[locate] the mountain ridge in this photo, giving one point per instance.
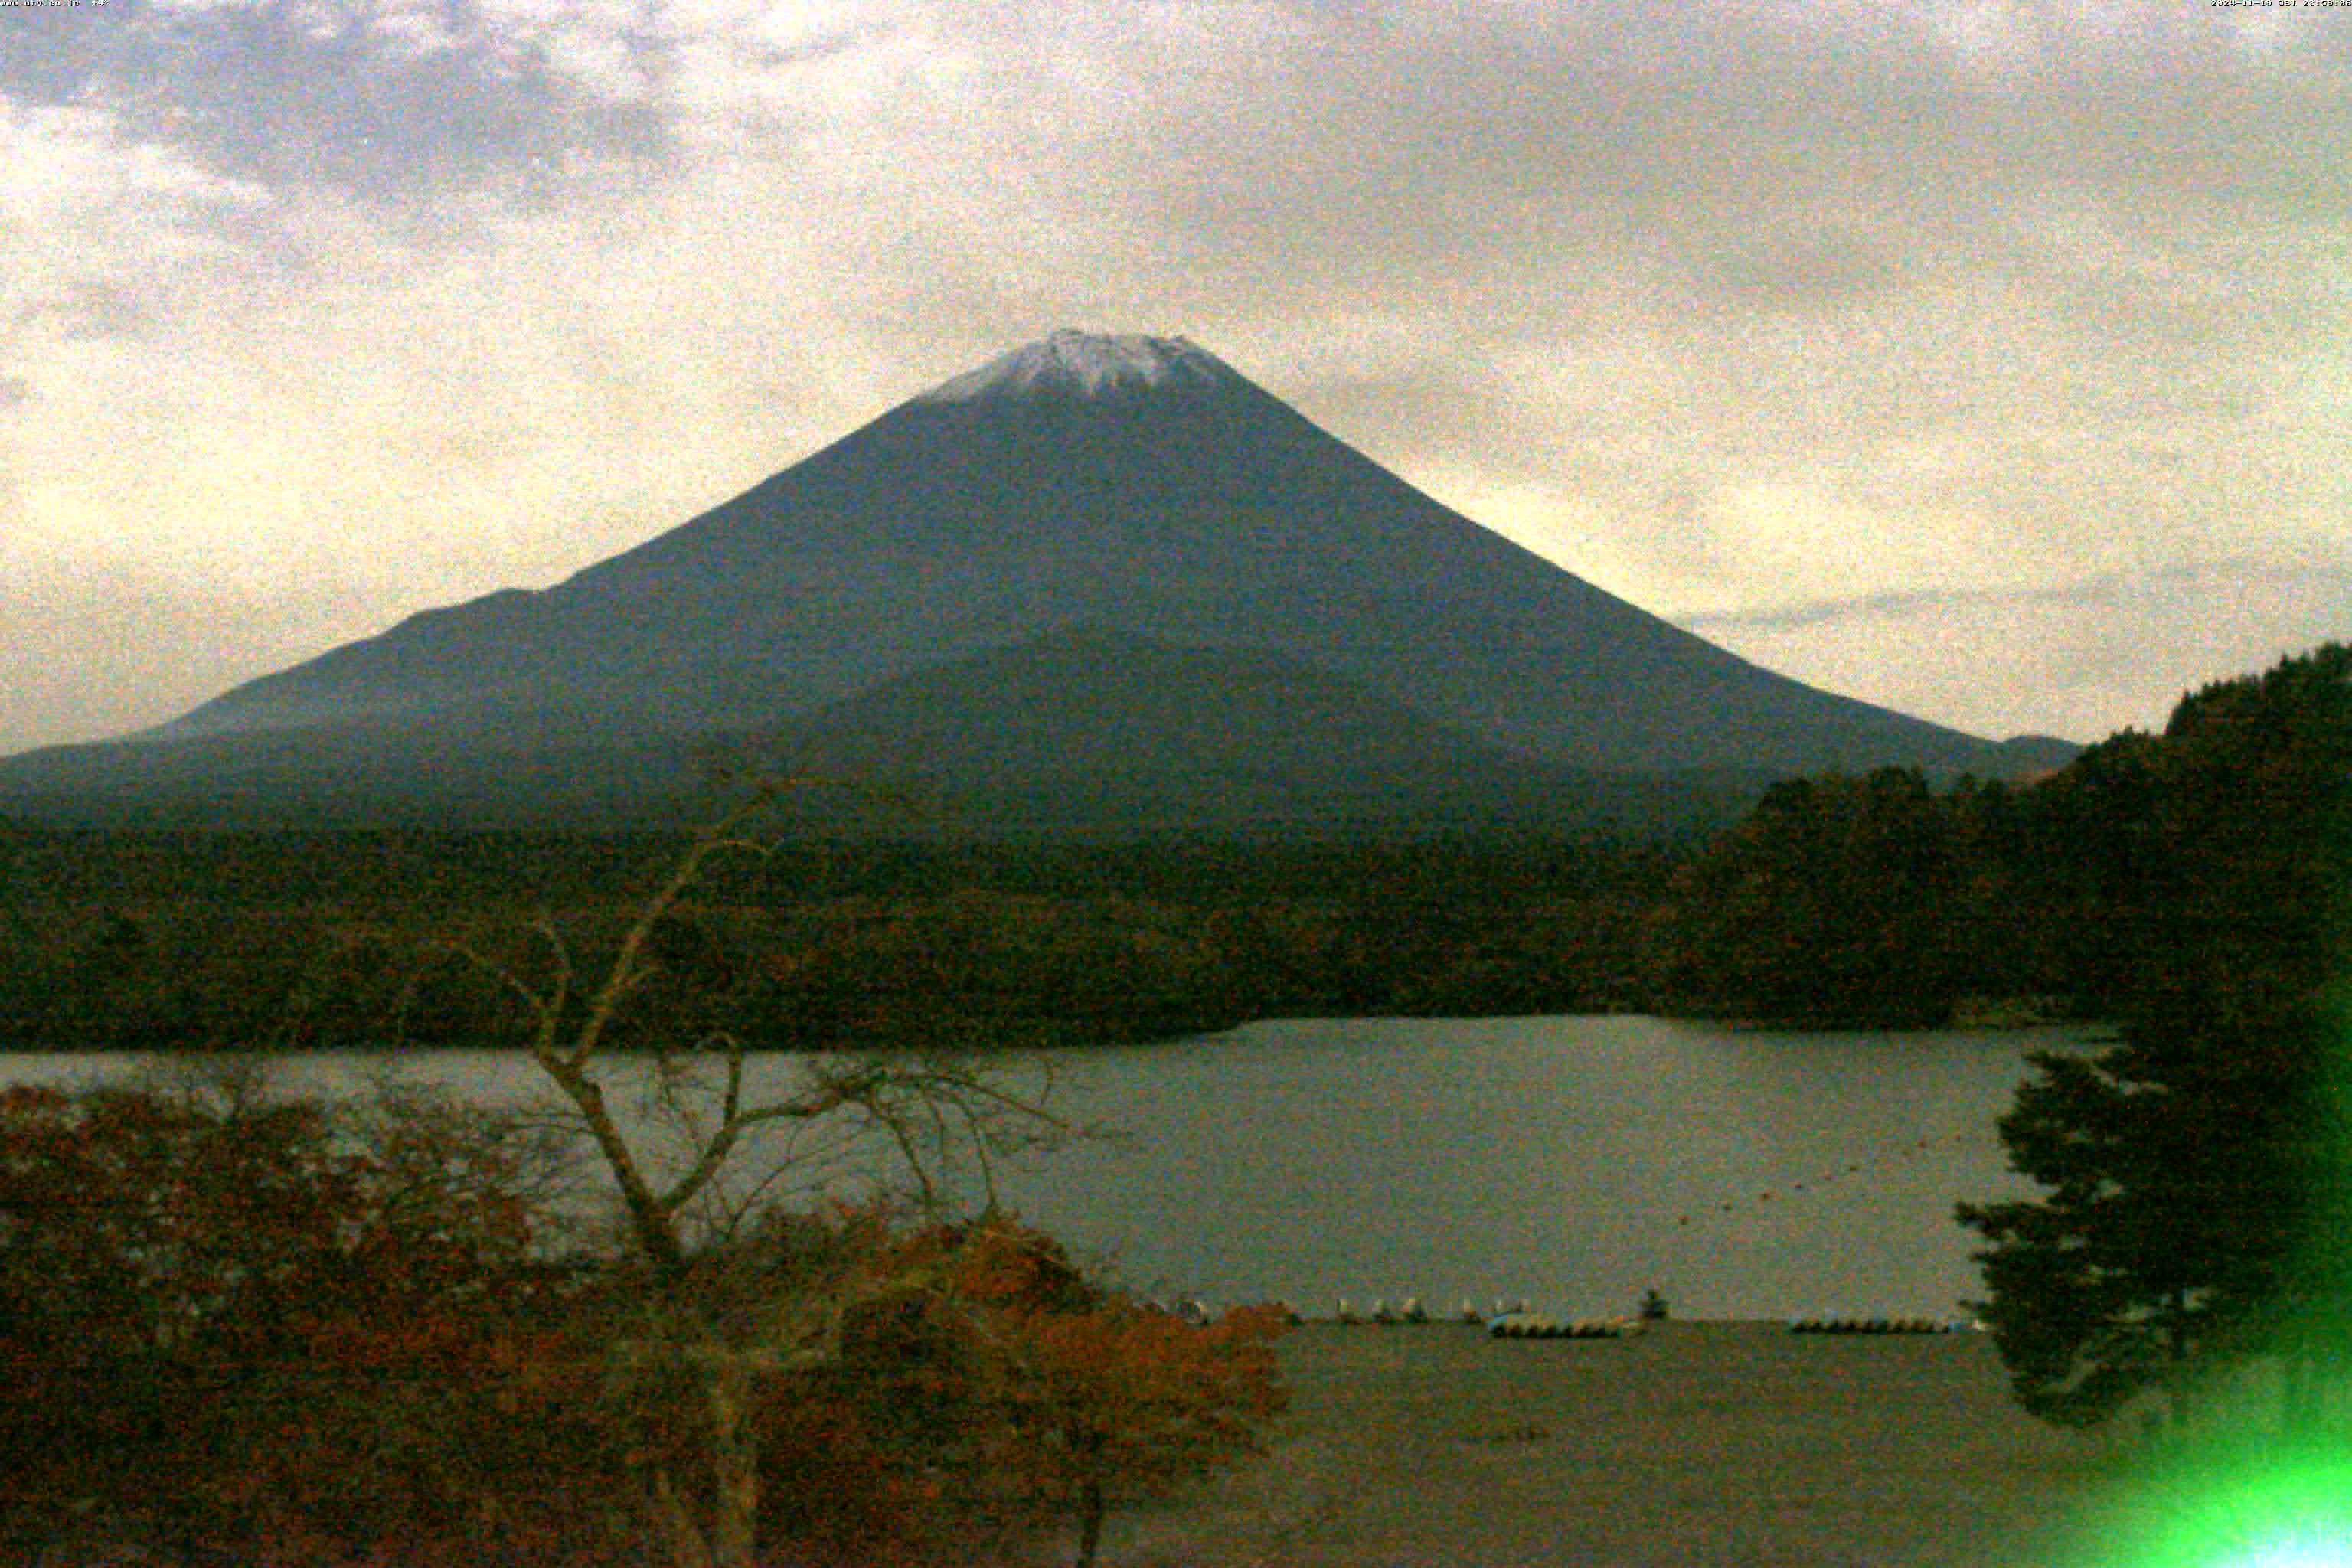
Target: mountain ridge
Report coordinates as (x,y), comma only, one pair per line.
(1135,484)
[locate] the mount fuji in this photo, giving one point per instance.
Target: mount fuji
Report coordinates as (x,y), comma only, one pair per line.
(1099,582)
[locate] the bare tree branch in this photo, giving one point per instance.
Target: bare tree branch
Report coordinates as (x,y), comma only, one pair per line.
(924,1107)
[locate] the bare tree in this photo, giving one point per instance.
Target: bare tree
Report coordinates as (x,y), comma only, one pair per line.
(711,1317)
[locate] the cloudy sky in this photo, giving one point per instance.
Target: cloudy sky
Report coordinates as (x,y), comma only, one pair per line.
(1992,360)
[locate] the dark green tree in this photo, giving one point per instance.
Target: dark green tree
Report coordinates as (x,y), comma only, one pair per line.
(2196,1175)
(1831,905)
(2186,1168)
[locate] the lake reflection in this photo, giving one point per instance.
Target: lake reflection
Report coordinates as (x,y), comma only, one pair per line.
(1574,1161)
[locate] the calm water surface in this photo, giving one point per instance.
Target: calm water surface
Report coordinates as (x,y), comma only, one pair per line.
(1574,1161)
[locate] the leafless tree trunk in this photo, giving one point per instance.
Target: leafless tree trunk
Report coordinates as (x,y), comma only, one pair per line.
(907,1102)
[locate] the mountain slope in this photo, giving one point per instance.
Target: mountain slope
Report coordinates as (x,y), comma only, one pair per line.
(1138,486)
(1088,729)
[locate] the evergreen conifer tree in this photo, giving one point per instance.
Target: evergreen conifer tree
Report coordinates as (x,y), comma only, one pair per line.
(2199,1174)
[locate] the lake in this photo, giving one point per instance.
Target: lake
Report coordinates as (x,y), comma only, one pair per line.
(1571,1162)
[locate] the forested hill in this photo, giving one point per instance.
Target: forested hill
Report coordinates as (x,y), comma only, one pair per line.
(1843,901)
(1874,901)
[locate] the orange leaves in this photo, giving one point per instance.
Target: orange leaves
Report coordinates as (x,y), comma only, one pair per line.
(25,1101)
(221,1303)
(1095,1397)
(337,1353)
(1122,1354)
(1091,1405)
(1005,1264)
(986,1387)
(435,1346)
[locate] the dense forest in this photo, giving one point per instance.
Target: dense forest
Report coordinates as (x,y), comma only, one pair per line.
(223,941)
(1836,901)
(2195,1177)
(1876,900)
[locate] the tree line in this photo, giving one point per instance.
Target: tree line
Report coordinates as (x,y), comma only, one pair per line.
(1877,901)
(132,941)
(241,1331)
(1872,901)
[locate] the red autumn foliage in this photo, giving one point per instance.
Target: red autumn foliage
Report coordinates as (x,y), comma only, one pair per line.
(1065,1399)
(235,1332)
(225,1329)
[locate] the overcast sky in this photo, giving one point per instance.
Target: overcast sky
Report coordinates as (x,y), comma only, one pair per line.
(1988,361)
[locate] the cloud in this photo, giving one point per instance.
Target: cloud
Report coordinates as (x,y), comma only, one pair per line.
(2079,660)
(400,101)
(1886,607)
(79,194)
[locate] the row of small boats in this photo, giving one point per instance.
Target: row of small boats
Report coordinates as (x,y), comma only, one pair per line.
(1536,1326)
(1874,1326)
(1509,1319)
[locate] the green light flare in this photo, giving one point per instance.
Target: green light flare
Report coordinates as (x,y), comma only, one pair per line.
(2285,1512)
(2302,1551)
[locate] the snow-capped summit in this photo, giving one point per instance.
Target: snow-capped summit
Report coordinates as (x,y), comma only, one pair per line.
(1088,363)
